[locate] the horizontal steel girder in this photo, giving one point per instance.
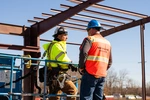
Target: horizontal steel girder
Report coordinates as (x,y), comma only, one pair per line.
(12,29)
(19,47)
(126,26)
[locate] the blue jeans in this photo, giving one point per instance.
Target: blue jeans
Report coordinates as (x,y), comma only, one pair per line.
(91,87)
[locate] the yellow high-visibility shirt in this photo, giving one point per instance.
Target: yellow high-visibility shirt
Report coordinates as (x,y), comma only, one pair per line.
(57,52)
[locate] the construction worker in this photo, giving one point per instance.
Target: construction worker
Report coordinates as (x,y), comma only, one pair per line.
(58,78)
(94,60)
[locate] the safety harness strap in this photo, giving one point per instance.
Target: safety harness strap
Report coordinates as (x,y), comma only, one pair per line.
(49,51)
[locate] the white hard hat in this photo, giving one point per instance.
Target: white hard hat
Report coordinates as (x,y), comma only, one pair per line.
(60,30)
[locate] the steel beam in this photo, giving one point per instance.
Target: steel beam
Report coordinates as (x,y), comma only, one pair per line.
(51,22)
(91,17)
(102,14)
(19,47)
(67,42)
(74,28)
(11,29)
(31,38)
(142,27)
(84,21)
(113,9)
(126,26)
(120,10)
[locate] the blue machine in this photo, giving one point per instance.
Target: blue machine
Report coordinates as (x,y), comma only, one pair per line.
(9,73)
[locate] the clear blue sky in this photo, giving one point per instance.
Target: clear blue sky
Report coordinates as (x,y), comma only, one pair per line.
(125,44)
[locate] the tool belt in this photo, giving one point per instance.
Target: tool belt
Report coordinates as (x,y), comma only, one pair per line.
(58,83)
(52,74)
(57,79)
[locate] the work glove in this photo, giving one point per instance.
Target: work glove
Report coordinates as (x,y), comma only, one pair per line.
(73,68)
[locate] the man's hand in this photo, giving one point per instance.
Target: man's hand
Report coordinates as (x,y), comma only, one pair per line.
(73,68)
(81,71)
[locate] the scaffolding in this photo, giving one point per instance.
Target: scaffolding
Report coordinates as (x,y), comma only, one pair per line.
(14,74)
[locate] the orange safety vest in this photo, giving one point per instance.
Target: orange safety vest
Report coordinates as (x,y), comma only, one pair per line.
(98,56)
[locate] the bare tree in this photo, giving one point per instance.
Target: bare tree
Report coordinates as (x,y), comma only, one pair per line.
(111,81)
(148,88)
(122,79)
(121,84)
(132,87)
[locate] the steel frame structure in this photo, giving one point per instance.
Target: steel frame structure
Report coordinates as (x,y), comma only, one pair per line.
(41,25)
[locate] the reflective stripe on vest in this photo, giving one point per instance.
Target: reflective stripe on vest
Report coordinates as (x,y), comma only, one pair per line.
(98,58)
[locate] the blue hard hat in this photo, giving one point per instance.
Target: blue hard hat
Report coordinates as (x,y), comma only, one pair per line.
(93,23)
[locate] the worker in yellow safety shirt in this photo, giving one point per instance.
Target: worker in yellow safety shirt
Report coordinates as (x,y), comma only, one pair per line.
(58,78)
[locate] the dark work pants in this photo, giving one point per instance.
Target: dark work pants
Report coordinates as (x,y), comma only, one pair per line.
(91,87)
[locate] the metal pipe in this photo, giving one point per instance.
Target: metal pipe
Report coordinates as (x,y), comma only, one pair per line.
(45,80)
(8,68)
(11,78)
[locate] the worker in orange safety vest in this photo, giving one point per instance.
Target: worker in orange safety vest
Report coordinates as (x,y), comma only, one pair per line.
(94,61)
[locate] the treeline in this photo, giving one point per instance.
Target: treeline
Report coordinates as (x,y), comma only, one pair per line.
(120,83)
